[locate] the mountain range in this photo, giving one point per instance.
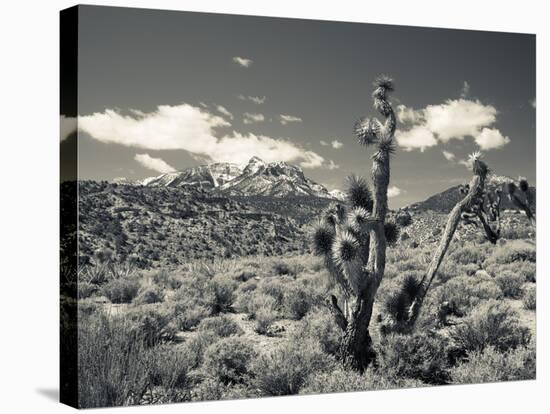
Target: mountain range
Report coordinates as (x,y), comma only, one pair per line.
(444,201)
(258,178)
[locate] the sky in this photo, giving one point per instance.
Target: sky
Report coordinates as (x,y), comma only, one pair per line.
(161,91)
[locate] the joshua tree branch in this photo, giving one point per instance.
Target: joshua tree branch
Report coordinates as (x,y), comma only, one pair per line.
(341,320)
(475,188)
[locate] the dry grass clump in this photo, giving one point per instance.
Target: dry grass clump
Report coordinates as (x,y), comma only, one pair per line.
(491,365)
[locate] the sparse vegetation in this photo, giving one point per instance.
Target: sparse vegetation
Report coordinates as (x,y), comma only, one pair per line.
(188,296)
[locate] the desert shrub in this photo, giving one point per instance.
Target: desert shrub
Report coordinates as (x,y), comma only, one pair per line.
(341,380)
(263,319)
(85,290)
(148,295)
(244,274)
(224,288)
(221,326)
(420,356)
(281,268)
(524,268)
(196,346)
(530,298)
(229,359)
(318,326)
(212,389)
(468,254)
(517,232)
(170,369)
(284,370)
(151,323)
(166,280)
(466,292)
(510,283)
(514,251)
(122,290)
(492,323)
(490,365)
(275,288)
(113,366)
(297,301)
(194,301)
(403,218)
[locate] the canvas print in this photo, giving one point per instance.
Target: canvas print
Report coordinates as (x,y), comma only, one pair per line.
(256,207)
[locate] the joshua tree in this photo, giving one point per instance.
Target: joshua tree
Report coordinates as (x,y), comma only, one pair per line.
(353,239)
(353,242)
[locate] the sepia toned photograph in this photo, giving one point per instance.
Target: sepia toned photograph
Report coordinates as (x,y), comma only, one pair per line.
(256,207)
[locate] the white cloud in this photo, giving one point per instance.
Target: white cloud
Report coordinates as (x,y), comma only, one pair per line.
(324,143)
(286,119)
(312,160)
(449,156)
(453,119)
(224,111)
(156,164)
(244,62)
(258,100)
(456,119)
(249,118)
(465,91)
(418,137)
(332,165)
(67,125)
(184,127)
(490,138)
(393,191)
(408,115)
(337,144)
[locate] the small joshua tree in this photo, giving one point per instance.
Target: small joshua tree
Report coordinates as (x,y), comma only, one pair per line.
(353,239)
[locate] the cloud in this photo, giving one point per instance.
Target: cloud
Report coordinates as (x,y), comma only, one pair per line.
(249,118)
(244,62)
(407,115)
(418,137)
(332,165)
(193,129)
(224,111)
(286,119)
(393,191)
(156,164)
(453,119)
(67,125)
(457,119)
(324,143)
(465,91)
(258,100)
(449,156)
(490,138)
(337,144)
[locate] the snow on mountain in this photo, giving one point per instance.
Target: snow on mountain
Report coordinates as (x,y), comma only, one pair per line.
(276,179)
(338,194)
(204,176)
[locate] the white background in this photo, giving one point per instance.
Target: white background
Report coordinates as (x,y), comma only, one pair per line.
(29,203)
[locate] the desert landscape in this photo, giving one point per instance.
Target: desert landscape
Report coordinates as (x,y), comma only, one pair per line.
(216,283)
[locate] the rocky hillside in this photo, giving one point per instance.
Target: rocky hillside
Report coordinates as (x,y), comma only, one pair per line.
(165,225)
(444,201)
